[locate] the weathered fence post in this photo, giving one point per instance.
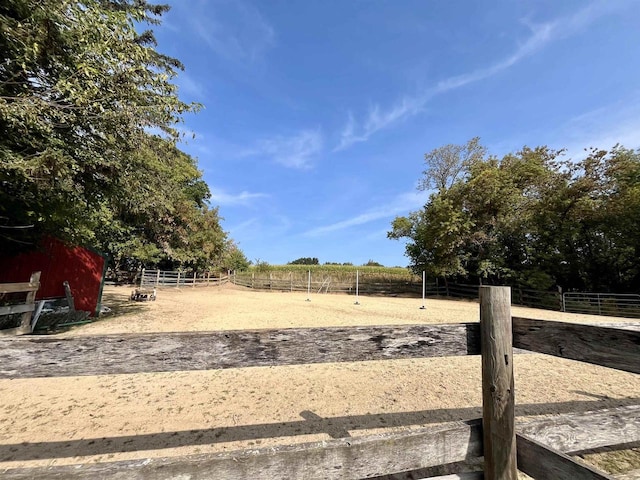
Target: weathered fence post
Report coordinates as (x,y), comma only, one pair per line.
(498,412)
(25,321)
(194,279)
(178,282)
(157,278)
(561,298)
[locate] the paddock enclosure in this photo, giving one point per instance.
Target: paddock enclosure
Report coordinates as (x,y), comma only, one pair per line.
(91,395)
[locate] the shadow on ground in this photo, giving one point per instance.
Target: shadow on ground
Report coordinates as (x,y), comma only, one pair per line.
(336,427)
(120,304)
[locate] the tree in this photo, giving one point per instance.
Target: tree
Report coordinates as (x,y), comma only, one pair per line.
(372,263)
(234,258)
(531,218)
(80,90)
(88,140)
(262,266)
(446,165)
(305,261)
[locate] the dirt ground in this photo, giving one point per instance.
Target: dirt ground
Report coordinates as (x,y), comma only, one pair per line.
(47,421)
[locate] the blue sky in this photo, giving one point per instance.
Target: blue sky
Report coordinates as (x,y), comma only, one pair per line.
(317,115)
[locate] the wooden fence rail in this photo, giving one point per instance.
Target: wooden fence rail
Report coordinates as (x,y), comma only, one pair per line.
(162,352)
(167,278)
(367,456)
(609,347)
(363,456)
(158,352)
(29,288)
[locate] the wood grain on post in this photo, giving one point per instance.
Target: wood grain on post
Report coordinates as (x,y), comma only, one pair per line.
(498,409)
(34,284)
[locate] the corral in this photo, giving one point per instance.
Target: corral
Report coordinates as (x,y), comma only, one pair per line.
(73,419)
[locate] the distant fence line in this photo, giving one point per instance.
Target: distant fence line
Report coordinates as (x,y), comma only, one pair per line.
(611,304)
(617,305)
(384,284)
(167,278)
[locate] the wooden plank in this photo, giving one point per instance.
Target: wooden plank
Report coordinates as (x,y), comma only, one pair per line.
(498,398)
(540,461)
(11,309)
(25,323)
(609,347)
(578,426)
(622,325)
(69,295)
(18,287)
(349,458)
(165,352)
(11,331)
(580,432)
(458,476)
(632,475)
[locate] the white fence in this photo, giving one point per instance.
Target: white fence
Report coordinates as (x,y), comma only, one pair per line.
(611,304)
(167,278)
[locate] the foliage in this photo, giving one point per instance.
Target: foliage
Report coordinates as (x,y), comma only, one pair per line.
(532,219)
(446,165)
(81,91)
(261,266)
(234,258)
(372,263)
(305,261)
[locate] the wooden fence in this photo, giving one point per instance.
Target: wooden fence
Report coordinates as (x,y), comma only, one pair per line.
(177,279)
(538,448)
(376,284)
(23,307)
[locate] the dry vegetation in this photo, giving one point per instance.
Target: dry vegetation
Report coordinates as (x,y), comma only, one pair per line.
(48,421)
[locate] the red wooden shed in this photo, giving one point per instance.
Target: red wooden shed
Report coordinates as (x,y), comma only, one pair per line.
(84,269)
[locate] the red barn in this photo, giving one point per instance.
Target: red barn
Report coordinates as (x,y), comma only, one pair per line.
(84,269)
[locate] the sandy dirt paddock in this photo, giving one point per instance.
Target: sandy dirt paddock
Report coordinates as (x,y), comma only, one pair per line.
(49,421)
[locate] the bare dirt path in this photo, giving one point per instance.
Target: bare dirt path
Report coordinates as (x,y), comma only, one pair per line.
(96,418)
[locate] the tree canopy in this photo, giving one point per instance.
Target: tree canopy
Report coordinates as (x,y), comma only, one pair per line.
(305,261)
(530,218)
(88,114)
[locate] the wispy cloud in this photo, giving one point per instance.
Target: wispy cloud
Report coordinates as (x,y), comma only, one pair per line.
(296,151)
(604,127)
(402,203)
(540,36)
(220,197)
(234,30)
(188,85)
(247,225)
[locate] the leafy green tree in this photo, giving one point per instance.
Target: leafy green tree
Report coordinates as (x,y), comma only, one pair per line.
(530,218)
(447,164)
(88,140)
(305,261)
(262,266)
(234,258)
(80,88)
(372,263)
